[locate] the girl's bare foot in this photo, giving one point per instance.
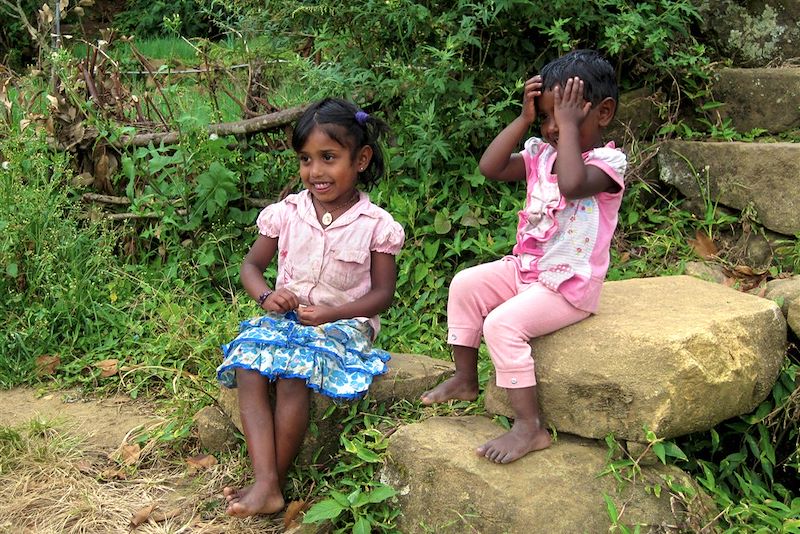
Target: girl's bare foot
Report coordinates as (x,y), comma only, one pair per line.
(234,493)
(454,388)
(253,500)
(516,443)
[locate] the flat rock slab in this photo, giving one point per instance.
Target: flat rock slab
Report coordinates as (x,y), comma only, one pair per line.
(759,98)
(408,377)
(752,33)
(739,175)
(445,487)
(676,354)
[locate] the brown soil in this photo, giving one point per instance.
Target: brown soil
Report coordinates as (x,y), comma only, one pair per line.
(105,483)
(104,423)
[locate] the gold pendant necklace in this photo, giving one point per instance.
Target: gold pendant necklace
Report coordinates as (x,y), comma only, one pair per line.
(327,217)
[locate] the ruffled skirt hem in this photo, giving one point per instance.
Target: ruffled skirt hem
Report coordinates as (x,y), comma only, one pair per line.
(335,359)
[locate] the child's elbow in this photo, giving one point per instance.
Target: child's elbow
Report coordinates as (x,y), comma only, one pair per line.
(571,193)
(489,171)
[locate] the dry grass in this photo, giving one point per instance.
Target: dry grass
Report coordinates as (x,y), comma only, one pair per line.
(53,482)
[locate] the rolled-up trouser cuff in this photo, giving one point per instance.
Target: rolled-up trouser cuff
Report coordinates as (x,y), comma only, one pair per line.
(465,337)
(519,378)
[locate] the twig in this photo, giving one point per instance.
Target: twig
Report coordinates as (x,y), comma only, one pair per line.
(258,202)
(129,215)
(185,71)
(105,199)
(261,123)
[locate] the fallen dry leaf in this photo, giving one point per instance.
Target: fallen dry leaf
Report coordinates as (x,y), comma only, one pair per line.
(142,515)
(201,461)
(46,364)
(293,510)
(748,271)
(113,474)
(129,454)
(703,245)
(108,367)
(84,466)
(158,516)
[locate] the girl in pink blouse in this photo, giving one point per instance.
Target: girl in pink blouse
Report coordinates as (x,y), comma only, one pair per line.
(555,273)
(336,272)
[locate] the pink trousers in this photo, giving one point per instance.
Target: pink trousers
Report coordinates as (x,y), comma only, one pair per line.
(491,299)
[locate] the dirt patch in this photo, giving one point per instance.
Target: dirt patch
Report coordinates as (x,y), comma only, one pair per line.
(104,423)
(80,472)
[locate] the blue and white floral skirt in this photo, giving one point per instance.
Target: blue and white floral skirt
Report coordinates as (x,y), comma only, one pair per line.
(336,359)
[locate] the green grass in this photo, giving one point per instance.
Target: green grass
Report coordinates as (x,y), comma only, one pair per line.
(161,311)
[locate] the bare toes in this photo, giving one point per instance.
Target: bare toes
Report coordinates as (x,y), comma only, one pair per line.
(450,389)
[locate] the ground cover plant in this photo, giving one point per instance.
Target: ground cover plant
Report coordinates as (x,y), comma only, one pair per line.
(136,297)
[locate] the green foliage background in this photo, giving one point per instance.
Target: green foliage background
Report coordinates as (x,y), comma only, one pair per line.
(161,294)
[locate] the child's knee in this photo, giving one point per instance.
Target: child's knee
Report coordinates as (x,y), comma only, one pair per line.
(460,282)
(496,328)
(466,285)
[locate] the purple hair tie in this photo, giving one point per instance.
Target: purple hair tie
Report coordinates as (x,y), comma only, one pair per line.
(361,117)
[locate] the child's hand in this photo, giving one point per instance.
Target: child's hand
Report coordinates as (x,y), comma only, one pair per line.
(533,88)
(281,301)
(314,315)
(569,106)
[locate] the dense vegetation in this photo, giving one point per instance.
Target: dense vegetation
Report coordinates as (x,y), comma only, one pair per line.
(157,291)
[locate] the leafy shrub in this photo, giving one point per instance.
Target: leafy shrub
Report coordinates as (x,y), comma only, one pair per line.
(53,269)
(147,18)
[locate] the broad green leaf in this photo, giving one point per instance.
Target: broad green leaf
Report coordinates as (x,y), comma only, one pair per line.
(340,497)
(441,222)
(366,454)
(611,509)
(362,526)
(658,449)
(327,509)
(381,493)
(674,451)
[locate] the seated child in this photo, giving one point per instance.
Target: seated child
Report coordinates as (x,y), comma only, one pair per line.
(556,270)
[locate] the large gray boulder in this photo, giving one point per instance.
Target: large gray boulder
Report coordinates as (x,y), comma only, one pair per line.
(753,32)
(445,487)
(762,177)
(793,316)
(784,291)
(759,98)
(675,354)
(636,117)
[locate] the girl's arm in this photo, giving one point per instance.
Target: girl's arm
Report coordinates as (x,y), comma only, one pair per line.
(575,178)
(383,273)
(501,160)
(252,274)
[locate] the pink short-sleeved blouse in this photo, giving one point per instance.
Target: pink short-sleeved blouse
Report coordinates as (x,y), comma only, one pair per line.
(329,266)
(564,244)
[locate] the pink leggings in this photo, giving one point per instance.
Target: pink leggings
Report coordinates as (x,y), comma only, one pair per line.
(490,298)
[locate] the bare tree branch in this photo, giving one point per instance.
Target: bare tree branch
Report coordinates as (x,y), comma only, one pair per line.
(270,121)
(18,13)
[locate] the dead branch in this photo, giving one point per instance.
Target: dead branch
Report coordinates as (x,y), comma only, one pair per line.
(129,215)
(105,199)
(18,12)
(258,202)
(262,123)
(184,71)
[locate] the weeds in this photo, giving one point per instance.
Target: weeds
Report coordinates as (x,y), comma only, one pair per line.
(158,292)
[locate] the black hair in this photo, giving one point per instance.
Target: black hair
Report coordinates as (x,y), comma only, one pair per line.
(599,77)
(349,126)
